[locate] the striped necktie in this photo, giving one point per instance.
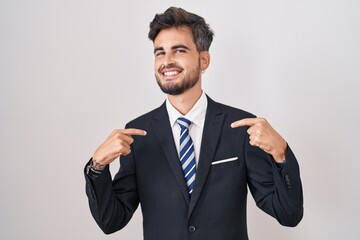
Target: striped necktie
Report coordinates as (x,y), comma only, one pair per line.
(187,153)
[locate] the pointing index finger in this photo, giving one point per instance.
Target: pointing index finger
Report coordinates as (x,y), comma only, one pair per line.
(244,122)
(134,131)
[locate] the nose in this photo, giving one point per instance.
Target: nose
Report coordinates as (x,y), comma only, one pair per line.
(168,59)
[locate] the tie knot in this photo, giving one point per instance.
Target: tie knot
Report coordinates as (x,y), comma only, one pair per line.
(183,122)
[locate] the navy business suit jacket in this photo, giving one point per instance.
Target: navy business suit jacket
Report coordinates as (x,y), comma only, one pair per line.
(152,175)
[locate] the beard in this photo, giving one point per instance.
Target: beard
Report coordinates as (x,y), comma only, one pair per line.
(186,83)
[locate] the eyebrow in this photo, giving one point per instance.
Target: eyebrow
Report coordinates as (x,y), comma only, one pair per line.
(179,46)
(172,48)
(158,49)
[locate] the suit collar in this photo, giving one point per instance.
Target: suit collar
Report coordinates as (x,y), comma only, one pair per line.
(161,125)
(212,130)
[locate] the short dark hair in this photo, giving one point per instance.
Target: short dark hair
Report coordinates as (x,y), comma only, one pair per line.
(177,17)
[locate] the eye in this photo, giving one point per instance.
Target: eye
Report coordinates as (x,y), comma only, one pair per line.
(159,53)
(180,51)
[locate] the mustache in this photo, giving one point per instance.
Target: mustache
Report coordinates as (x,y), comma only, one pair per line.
(170,66)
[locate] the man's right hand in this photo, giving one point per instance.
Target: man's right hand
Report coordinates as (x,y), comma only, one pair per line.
(117,144)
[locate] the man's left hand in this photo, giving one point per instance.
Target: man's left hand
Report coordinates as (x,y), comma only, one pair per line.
(262,135)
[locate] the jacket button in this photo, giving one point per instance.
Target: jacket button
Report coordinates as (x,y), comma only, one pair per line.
(288,182)
(287,179)
(192,229)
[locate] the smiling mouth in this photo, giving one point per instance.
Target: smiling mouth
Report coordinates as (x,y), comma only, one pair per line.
(169,74)
(170,71)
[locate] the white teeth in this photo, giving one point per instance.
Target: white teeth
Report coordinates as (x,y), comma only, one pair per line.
(170,73)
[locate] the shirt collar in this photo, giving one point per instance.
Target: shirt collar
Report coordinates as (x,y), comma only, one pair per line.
(196,115)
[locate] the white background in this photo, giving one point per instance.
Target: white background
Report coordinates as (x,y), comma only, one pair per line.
(72,71)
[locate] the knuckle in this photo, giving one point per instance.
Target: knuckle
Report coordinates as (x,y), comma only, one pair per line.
(116,134)
(266,148)
(117,131)
(122,149)
(126,151)
(262,121)
(119,142)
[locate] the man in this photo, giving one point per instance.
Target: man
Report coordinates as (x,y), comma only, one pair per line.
(189,162)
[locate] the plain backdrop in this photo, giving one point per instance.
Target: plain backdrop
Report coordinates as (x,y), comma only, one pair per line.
(72,71)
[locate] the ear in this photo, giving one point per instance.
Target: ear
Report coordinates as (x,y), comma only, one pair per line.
(204,60)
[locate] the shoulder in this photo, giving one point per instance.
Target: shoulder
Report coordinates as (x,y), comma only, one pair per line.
(156,113)
(230,111)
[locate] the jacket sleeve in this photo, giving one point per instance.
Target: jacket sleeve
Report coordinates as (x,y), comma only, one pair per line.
(112,203)
(277,191)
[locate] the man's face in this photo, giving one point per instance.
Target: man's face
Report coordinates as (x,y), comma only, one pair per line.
(177,61)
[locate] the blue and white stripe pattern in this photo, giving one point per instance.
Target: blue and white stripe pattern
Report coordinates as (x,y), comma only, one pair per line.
(187,153)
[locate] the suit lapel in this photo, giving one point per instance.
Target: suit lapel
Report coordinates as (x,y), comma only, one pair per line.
(212,130)
(163,131)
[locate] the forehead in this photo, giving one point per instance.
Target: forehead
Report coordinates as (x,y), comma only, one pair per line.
(174,36)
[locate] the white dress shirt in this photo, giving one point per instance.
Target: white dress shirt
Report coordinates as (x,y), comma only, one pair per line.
(197,116)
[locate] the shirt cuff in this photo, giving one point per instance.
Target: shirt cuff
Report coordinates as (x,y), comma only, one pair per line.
(92,171)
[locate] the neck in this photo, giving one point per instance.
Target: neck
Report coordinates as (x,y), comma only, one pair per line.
(185,101)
